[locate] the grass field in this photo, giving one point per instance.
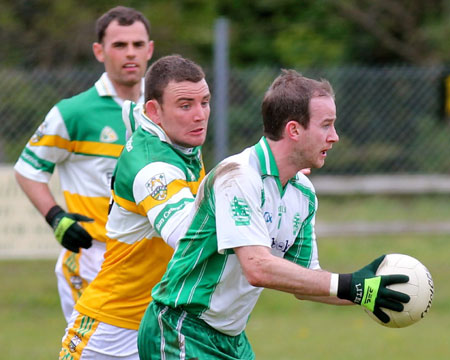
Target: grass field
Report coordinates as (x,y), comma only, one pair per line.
(281,327)
(284,328)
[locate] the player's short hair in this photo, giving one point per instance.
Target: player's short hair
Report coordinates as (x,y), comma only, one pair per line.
(288,99)
(166,69)
(125,16)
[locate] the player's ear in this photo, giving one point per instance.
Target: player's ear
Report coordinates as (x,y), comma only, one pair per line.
(152,110)
(97,49)
(151,47)
(293,129)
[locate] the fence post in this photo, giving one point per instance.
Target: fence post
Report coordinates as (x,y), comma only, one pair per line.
(220,98)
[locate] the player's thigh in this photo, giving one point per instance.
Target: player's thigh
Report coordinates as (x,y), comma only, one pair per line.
(167,333)
(87,339)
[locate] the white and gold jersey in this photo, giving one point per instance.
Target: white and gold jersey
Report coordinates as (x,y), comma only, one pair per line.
(82,137)
(154,187)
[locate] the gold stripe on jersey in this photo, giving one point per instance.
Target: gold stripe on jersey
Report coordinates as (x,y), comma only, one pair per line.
(149,202)
(97,148)
(194,185)
(127,204)
(93,207)
(77,337)
(51,140)
(81,147)
(173,188)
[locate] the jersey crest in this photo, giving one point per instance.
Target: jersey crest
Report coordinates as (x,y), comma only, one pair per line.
(157,187)
(240,212)
(108,135)
(40,132)
(297,222)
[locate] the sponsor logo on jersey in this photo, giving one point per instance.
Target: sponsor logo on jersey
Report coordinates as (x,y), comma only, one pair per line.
(31,159)
(39,133)
(77,282)
(73,343)
(282,246)
(296,223)
(108,176)
(108,135)
(281,211)
(268,217)
(157,187)
(240,211)
(167,215)
(129,144)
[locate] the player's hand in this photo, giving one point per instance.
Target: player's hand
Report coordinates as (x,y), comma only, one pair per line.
(365,288)
(306,171)
(67,231)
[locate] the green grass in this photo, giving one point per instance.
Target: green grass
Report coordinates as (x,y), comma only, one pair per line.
(280,327)
(423,208)
(31,319)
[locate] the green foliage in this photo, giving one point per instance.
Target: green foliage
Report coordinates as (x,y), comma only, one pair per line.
(288,33)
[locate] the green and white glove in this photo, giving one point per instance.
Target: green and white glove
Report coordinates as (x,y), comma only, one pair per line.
(365,288)
(67,231)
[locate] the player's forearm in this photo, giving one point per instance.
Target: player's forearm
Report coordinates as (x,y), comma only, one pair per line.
(262,269)
(38,193)
(330,300)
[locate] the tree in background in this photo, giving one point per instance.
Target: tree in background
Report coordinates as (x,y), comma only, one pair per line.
(49,33)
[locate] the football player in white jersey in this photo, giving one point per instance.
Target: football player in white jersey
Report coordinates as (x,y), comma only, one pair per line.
(252,228)
(82,138)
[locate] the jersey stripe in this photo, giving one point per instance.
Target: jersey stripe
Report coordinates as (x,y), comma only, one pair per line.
(35,161)
(128,205)
(93,207)
(80,147)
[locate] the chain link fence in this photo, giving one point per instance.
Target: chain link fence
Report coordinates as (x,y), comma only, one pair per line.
(391,120)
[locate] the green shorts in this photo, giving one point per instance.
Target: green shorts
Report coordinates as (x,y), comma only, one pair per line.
(167,333)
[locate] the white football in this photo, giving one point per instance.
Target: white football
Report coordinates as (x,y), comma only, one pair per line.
(420,288)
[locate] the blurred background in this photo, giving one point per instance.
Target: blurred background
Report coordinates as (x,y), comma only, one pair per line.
(388,61)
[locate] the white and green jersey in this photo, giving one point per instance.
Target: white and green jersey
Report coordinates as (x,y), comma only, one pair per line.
(240,203)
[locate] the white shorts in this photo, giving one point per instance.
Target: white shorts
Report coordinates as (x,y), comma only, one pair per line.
(75,271)
(89,339)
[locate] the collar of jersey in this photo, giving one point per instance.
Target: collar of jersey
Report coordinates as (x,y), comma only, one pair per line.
(266,158)
(268,164)
(105,87)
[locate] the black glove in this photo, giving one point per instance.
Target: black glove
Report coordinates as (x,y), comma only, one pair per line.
(67,230)
(365,288)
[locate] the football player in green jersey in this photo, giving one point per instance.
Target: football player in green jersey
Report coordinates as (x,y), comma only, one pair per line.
(253,228)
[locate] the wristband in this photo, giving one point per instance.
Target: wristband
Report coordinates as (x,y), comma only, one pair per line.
(344,285)
(334,282)
(51,214)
